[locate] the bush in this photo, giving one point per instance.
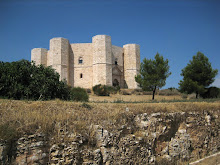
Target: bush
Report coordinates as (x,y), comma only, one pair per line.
(169,92)
(112,90)
(78,94)
(211,92)
(88,90)
(125,92)
(147,92)
(101,90)
(24,80)
(184,96)
(136,91)
(7,132)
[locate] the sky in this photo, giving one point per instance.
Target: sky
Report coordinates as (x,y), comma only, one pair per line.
(176,29)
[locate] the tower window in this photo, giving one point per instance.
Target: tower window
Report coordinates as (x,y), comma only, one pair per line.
(116,61)
(80,60)
(81,75)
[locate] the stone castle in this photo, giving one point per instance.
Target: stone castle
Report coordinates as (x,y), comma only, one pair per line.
(88,64)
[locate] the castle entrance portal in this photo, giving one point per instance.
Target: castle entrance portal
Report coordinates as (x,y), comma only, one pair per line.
(115,83)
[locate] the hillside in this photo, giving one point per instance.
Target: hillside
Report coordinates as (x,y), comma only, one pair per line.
(107,133)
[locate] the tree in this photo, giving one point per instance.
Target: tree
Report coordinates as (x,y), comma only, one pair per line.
(153,74)
(197,75)
(24,80)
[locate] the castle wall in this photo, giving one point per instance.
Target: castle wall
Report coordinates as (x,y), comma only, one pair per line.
(71,67)
(131,64)
(117,52)
(117,55)
(39,56)
(49,58)
(83,51)
(97,64)
(102,60)
(59,51)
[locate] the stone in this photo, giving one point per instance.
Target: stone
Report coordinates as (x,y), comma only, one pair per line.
(159,136)
(3,152)
(89,64)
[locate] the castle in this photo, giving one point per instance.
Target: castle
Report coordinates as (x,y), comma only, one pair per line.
(88,64)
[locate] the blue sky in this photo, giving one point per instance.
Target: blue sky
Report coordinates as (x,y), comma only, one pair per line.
(176,29)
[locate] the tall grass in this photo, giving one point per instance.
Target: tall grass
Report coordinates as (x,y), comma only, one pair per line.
(50,117)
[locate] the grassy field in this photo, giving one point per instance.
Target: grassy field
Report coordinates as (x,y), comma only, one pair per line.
(117,98)
(27,117)
(131,98)
(59,117)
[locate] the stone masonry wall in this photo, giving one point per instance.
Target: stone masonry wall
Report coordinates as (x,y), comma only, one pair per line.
(117,53)
(102,60)
(84,51)
(131,64)
(59,49)
(39,55)
(98,61)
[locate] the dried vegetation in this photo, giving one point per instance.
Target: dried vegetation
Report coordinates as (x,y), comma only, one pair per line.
(55,117)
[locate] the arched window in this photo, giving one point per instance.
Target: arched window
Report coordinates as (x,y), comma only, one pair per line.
(80,60)
(81,75)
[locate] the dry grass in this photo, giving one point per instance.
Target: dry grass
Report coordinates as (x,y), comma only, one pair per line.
(27,117)
(212,160)
(132,98)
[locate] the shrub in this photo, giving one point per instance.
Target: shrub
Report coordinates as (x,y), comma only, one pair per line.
(147,92)
(101,90)
(169,92)
(87,106)
(184,96)
(113,90)
(78,94)
(7,132)
(88,90)
(125,92)
(136,91)
(211,92)
(24,80)
(191,96)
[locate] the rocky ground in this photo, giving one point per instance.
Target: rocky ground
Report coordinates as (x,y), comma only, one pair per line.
(141,138)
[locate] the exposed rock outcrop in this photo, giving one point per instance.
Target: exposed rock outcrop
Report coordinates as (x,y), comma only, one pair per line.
(150,138)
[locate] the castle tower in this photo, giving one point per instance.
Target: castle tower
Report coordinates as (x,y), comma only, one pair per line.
(102,60)
(39,56)
(59,56)
(131,64)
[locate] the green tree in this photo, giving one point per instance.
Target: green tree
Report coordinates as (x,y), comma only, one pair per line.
(153,74)
(197,75)
(24,80)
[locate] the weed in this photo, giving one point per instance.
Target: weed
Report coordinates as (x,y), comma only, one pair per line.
(7,132)
(87,106)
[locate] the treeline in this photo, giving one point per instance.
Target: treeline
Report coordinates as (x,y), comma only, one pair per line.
(198,75)
(24,80)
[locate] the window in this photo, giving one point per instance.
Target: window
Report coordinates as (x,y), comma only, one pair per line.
(80,60)
(81,75)
(116,61)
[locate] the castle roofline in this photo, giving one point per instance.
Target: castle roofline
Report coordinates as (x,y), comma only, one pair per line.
(132,44)
(39,49)
(59,38)
(101,35)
